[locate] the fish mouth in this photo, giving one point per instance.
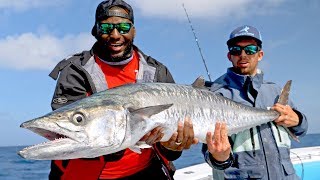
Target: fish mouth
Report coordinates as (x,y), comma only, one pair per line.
(61,141)
(49,150)
(47,132)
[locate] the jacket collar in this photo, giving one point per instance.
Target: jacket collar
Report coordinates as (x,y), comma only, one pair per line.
(237,80)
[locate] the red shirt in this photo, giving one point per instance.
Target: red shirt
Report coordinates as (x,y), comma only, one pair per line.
(131,162)
(120,74)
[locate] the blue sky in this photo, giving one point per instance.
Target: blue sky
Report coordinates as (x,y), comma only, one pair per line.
(37,34)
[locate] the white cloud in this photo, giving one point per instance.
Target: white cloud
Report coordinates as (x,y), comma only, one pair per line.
(203,8)
(31,51)
(28,4)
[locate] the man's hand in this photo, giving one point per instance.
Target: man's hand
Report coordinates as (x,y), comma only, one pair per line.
(288,117)
(218,143)
(183,138)
(153,136)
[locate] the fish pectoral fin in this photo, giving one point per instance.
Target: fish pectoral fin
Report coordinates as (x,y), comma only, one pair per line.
(199,82)
(150,110)
(135,149)
(140,145)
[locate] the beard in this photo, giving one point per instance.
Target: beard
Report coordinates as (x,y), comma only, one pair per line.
(105,54)
(125,55)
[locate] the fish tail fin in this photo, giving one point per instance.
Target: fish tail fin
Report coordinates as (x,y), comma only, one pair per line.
(284,96)
(283,99)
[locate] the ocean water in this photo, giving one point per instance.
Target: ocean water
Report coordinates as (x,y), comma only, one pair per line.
(13,167)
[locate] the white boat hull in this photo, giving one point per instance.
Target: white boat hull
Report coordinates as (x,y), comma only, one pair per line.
(204,172)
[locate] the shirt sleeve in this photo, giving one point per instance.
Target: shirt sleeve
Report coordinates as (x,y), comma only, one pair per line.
(70,87)
(302,127)
(168,154)
(220,165)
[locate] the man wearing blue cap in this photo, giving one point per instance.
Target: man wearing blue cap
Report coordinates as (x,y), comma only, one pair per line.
(263,152)
(114,61)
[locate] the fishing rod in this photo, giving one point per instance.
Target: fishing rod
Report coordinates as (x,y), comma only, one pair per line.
(195,37)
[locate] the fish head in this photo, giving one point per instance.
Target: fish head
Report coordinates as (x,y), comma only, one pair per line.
(81,132)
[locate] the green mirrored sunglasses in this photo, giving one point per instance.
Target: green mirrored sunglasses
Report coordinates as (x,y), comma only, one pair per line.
(249,50)
(107,28)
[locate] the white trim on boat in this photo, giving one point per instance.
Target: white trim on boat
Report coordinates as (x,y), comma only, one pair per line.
(203,171)
(308,154)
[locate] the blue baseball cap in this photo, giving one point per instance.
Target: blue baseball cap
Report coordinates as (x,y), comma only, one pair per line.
(245,31)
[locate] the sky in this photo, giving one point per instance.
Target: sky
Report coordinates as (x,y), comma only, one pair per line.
(35,35)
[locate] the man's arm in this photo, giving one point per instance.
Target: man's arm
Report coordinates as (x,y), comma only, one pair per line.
(217,152)
(70,87)
(220,165)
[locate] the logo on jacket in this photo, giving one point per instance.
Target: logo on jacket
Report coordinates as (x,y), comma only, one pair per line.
(60,100)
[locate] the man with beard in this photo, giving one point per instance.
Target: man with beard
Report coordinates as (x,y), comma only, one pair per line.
(115,61)
(262,152)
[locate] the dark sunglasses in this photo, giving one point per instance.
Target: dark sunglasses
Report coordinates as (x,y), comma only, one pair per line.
(249,50)
(107,28)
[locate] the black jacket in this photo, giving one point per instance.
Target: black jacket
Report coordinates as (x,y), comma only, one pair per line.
(74,82)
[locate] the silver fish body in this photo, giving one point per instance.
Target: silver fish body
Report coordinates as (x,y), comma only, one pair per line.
(118,118)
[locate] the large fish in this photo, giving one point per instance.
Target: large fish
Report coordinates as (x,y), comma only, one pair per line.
(118,118)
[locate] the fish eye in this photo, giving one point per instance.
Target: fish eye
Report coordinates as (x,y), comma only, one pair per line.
(78,118)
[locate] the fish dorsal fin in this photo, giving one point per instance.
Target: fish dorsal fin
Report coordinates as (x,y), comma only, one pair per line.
(284,96)
(199,82)
(149,110)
